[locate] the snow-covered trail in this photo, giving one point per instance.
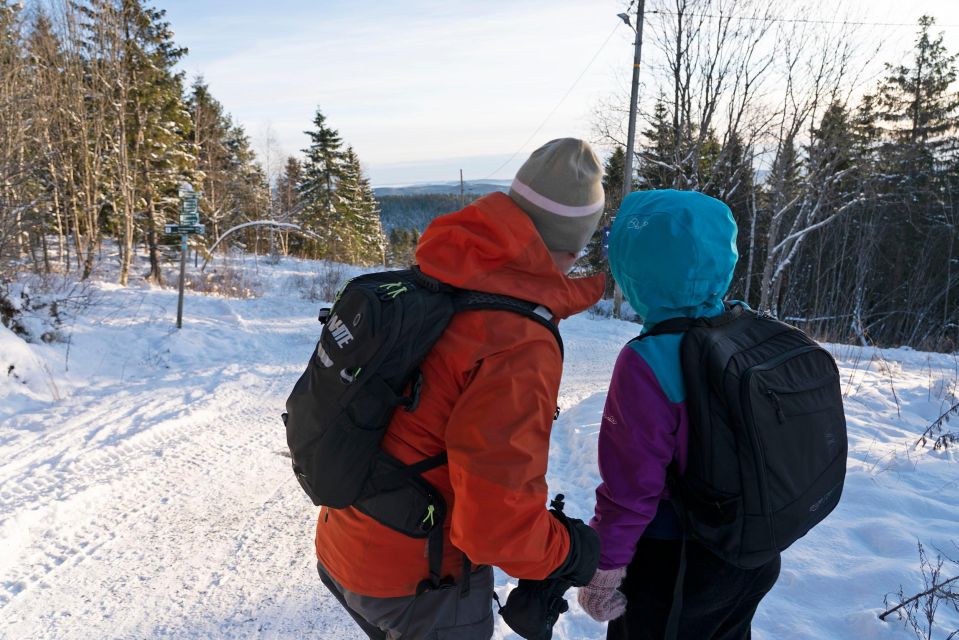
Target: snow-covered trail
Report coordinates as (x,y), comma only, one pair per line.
(156,501)
(153,499)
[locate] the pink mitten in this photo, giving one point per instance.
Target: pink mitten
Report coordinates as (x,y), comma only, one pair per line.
(600,598)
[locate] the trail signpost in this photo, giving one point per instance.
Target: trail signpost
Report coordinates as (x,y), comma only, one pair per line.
(189,224)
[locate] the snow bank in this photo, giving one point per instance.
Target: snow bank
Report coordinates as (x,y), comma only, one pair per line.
(24,376)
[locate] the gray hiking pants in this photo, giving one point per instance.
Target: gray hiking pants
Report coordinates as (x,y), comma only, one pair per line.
(441,614)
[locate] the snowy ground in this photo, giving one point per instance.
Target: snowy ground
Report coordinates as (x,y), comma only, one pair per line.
(143,492)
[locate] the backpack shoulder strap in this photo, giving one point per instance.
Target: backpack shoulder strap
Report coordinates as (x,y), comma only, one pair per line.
(673,325)
(466,300)
(682,325)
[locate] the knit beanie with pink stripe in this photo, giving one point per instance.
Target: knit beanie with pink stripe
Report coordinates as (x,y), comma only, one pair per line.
(560,188)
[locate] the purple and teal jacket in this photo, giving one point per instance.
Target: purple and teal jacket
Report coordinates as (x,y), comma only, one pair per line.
(673,254)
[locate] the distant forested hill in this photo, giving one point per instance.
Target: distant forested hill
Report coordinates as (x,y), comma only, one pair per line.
(415,206)
(416,211)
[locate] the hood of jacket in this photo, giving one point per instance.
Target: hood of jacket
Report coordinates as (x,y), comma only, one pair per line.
(492,246)
(673,253)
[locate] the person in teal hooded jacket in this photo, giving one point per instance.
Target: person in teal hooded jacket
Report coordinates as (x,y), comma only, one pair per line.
(673,254)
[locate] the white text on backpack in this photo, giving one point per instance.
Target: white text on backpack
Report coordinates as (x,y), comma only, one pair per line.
(340,333)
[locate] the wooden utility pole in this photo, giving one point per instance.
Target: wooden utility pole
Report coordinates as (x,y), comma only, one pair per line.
(462,191)
(631,136)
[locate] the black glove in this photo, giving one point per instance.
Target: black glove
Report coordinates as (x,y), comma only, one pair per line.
(583,557)
(534,606)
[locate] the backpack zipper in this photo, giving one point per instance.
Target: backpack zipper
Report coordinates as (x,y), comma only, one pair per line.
(812,386)
(774,394)
(778,404)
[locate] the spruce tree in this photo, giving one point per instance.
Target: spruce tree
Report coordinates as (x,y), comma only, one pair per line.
(820,282)
(161,149)
(132,49)
(14,119)
(287,204)
(287,195)
(919,111)
(731,178)
(657,168)
(613,181)
(322,170)
(596,260)
(402,247)
(917,114)
(358,215)
(782,190)
(211,130)
(371,224)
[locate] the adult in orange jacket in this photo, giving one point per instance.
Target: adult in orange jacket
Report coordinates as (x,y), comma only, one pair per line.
(489,394)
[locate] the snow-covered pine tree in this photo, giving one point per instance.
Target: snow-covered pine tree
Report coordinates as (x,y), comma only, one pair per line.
(161,149)
(47,67)
(920,110)
(132,65)
(287,197)
(822,279)
(371,223)
(14,134)
(917,114)
(233,184)
(322,170)
(596,260)
(211,129)
(363,241)
(731,178)
(402,247)
(287,202)
(656,168)
(102,36)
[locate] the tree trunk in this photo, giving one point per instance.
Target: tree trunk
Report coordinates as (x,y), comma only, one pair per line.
(155,274)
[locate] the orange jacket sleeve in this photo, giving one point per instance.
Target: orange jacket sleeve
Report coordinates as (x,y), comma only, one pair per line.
(497,440)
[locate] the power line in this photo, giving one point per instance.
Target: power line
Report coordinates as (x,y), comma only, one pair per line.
(802,20)
(558,104)
(697,15)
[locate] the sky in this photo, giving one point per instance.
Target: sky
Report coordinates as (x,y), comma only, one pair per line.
(424,88)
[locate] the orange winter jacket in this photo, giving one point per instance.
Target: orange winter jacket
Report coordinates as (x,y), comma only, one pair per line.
(488,398)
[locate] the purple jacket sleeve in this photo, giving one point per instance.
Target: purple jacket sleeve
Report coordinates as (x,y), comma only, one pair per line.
(638,438)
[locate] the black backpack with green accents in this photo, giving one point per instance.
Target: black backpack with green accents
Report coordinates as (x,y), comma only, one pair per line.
(366,367)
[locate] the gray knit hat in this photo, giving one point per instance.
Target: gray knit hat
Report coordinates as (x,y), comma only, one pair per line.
(560,187)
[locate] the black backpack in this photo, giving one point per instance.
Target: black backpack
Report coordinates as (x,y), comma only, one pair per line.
(366,367)
(767,434)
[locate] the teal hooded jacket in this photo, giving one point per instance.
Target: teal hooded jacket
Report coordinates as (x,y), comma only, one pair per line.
(673,254)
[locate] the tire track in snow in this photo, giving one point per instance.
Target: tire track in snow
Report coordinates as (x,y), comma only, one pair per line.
(201,443)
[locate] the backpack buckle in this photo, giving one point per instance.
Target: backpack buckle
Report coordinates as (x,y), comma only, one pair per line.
(413,400)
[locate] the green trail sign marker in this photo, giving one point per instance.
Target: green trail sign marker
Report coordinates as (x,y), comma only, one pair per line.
(175,229)
(189,206)
(189,224)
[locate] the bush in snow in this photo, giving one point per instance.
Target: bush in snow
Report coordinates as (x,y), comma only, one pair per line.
(941,439)
(36,308)
(604,310)
(10,311)
(323,285)
(226,280)
(919,611)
